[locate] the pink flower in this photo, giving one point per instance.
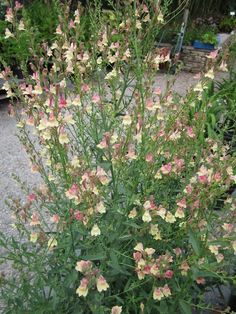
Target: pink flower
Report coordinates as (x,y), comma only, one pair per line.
(9,15)
(217,177)
(179,163)
(83,288)
(190,132)
(102,285)
(102,144)
(149,157)
(96,99)
(169,274)
(166,169)
(213,54)
(157,91)
(102,176)
(149,104)
(55,219)
(83,266)
(131,153)
(177,251)
(18,5)
(197,76)
(137,256)
(62,102)
(31,197)
(202,179)
(85,88)
(35,219)
(201,280)
(78,215)
(188,189)
(71,24)
(58,30)
(182,203)
(72,193)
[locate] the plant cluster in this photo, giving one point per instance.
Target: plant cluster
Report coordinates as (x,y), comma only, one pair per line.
(125,219)
(39,18)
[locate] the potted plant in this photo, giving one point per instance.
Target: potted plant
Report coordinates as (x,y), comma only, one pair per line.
(207,41)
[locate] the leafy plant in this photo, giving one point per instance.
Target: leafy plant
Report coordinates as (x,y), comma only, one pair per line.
(124,220)
(228,24)
(209,38)
(43,17)
(222,114)
(203,33)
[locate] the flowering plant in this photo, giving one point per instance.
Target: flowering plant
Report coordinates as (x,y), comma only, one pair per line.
(124,220)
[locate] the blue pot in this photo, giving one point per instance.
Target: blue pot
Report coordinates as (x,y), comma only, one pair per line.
(200,45)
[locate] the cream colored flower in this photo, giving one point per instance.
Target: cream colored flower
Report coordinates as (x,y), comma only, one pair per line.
(34,237)
(100,208)
(95,231)
(63,138)
(8,33)
(116,309)
(52,243)
(170,218)
(127,120)
(82,290)
(139,247)
(146,216)
(132,213)
(102,285)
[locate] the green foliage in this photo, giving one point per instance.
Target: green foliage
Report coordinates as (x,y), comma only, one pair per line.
(228,24)
(209,38)
(14,50)
(222,112)
(203,33)
(43,17)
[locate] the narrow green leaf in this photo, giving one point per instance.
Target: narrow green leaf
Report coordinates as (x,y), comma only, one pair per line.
(193,240)
(185,307)
(94,257)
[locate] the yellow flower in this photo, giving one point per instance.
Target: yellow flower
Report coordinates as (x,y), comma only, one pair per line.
(127,120)
(102,285)
(149,251)
(179,213)
(170,218)
(95,231)
(34,237)
(75,162)
(63,138)
(52,243)
(210,74)
(132,213)
(8,34)
(234,246)
(146,216)
(214,249)
(158,294)
(100,208)
(21,26)
(82,290)
(139,247)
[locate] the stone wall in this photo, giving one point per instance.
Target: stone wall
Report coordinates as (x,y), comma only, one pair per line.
(194,60)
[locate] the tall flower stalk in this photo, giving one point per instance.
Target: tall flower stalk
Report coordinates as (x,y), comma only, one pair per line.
(124,219)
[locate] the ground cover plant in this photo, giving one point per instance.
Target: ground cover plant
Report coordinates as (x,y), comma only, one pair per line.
(124,220)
